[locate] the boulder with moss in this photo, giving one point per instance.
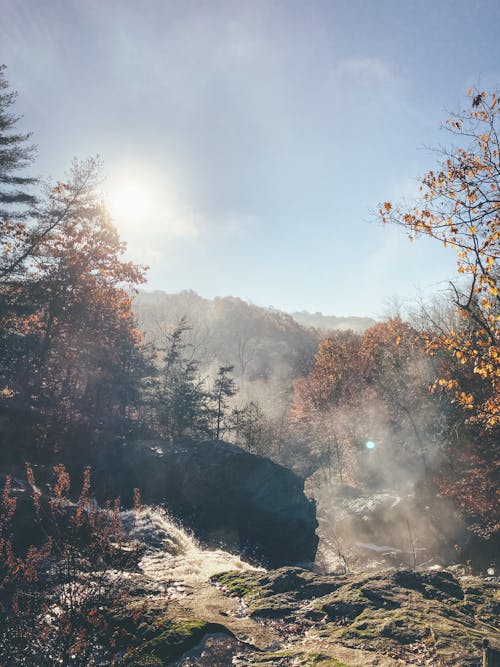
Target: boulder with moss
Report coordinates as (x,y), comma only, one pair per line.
(400,614)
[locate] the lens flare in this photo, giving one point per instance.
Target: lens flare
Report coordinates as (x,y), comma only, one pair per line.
(370,444)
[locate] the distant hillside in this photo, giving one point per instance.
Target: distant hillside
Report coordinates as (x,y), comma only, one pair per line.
(267,348)
(331,322)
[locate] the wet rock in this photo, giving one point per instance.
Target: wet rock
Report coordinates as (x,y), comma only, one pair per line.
(228,497)
(127,555)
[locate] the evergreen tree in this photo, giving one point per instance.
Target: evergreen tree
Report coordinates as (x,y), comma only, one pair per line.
(183,402)
(16,201)
(224,388)
(15,154)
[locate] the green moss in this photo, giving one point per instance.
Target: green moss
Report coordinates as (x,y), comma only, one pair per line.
(171,640)
(382,612)
(318,660)
(294,583)
(269,656)
(300,659)
(181,628)
(244,585)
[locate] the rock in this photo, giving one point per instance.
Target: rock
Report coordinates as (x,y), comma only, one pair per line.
(440,585)
(397,614)
(276,593)
(153,639)
(228,497)
(174,639)
(126,556)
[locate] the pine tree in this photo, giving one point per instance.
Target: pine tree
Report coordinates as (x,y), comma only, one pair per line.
(15,154)
(183,402)
(16,201)
(224,388)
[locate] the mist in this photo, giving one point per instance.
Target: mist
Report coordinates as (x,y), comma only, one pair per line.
(373,446)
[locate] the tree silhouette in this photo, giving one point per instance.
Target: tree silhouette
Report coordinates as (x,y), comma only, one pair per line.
(224,388)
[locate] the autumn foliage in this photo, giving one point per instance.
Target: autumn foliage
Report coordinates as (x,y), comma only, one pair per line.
(57,593)
(373,388)
(460,208)
(68,332)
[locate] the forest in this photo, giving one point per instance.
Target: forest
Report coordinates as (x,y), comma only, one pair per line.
(110,394)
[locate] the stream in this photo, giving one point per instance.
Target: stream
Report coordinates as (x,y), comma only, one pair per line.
(177,572)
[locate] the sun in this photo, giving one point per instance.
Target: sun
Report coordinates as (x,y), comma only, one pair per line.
(129,202)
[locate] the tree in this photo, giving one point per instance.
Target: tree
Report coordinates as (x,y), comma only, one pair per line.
(334,378)
(15,198)
(183,401)
(15,154)
(370,388)
(224,388)
(251,428)
(459,206)
(73,307)
(18,230)
(396,366)
(327,407)
(81,269)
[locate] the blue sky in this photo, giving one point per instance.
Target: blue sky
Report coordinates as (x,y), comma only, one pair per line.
(262,135)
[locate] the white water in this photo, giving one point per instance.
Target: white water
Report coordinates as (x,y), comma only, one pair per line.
(173,556)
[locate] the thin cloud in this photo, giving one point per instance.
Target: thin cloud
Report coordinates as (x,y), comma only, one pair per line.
(368,70)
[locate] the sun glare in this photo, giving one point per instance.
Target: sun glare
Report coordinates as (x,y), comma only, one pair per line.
(129,202)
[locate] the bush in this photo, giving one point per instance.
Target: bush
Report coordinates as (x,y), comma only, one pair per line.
(56,595)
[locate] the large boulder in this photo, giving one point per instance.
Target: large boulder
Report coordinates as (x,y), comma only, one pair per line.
(228,497)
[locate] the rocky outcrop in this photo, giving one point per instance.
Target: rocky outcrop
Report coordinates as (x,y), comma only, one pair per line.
(292,617)
(431,617)
(228,497)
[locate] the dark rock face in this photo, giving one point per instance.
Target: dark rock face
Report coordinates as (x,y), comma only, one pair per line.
(228,497)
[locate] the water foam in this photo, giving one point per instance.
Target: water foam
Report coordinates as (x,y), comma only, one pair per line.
(172,553)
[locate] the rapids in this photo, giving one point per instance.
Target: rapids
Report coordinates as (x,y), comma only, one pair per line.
(172,554)
(175,578)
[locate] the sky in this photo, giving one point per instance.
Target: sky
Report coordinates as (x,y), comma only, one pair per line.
(248,144)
